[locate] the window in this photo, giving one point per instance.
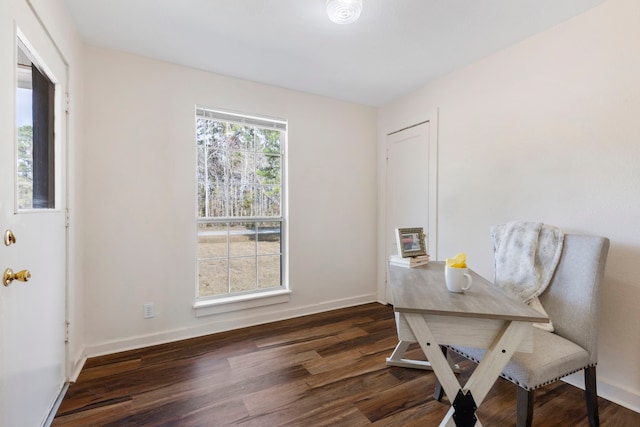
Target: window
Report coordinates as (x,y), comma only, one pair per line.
(240,164)
(35,134)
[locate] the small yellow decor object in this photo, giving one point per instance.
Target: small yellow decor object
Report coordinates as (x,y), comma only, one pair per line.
(458,261)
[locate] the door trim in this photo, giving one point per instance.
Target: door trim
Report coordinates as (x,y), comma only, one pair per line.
(406,128)
(433,197)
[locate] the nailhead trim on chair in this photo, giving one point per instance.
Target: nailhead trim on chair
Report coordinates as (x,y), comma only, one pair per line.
(515,381)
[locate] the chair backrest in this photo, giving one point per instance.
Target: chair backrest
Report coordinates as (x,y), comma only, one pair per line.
(572,299)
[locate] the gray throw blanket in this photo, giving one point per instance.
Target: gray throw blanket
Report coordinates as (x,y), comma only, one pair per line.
(526,255)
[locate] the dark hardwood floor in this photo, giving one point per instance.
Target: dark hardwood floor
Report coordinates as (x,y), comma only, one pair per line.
(326,369)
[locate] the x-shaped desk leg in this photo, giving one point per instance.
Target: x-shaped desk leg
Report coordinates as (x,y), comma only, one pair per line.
(397,359)
(466,399)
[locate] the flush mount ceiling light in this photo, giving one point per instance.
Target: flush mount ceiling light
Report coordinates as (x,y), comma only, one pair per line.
(344,11)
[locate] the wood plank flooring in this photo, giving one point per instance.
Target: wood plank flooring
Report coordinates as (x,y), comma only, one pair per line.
(326,369)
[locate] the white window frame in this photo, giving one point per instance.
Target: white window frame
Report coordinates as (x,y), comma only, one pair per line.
(209,305)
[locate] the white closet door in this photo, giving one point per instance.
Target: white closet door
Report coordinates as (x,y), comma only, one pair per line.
(407,187)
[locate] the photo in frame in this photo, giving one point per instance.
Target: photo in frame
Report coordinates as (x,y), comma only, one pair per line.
(411,242)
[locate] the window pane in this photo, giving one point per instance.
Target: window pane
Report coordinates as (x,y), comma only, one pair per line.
(212,241)
(35,134)
(241,198)
(217,163)
(268,169)
(213,277)
(269,238)
(240,137)
(267,200)
(268,141)
(242,240)
(215,200)
(268,271)
(242,274)
(241,167)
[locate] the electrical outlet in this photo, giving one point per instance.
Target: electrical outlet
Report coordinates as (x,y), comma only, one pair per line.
(148,310)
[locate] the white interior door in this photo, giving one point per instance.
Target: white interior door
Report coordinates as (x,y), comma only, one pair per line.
(407,186)
(32,313)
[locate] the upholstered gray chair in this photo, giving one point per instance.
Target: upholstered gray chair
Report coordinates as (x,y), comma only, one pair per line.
(572,301)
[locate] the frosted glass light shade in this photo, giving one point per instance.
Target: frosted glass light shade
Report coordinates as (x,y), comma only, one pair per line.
(344,11)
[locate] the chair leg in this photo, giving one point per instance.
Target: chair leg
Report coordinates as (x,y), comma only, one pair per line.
(438,393)
(524,408)
(591,394)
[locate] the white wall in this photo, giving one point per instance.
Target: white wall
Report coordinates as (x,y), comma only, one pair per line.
(139,199)
(548,130)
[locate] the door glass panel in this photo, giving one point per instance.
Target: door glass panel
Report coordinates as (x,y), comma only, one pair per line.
(35,94)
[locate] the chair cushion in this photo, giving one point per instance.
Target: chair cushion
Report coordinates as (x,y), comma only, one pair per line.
(553,358)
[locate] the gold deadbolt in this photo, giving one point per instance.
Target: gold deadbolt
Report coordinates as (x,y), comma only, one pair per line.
(9,238)
(21,276)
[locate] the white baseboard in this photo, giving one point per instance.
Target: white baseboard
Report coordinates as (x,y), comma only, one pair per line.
(78,363)
(140,341)
(615,393)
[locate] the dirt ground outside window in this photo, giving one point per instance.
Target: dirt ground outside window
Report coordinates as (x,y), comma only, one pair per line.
(216,265)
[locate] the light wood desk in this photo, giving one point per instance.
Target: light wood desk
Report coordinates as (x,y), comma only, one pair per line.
(483,317)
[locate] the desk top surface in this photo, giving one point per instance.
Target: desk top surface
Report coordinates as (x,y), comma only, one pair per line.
(422,290)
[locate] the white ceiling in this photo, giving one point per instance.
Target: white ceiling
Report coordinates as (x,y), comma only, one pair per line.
(394,48)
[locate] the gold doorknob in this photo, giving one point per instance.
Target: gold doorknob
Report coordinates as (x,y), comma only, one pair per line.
(21,276)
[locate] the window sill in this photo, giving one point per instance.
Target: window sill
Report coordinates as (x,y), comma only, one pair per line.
(241,302)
